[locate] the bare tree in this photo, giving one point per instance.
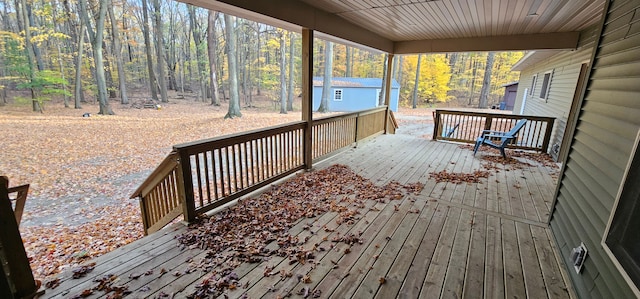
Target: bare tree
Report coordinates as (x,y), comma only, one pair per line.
(159,33)
(212,45)
(122,79)
(197,40)
(234,100)
(147,44)
(486,82)
(24,11)
(78,61)
(291,71)
(383,89)
(283,72)
(326,81)
(97,37)
(415,85)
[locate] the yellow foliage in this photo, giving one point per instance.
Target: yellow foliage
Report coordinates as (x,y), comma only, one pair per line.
(433,79)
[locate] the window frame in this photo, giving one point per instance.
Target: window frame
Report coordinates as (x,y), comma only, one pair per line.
(546,85)
(338,95)
(534,81)
(621,214)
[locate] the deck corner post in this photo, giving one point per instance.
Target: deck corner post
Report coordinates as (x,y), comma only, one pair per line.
(185,187)
(143,214)
(437,126)
(307,96)
(387,94)
(547,135)
(17,279)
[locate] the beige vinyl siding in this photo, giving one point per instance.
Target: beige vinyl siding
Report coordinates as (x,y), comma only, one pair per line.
(565,68)
(600,150)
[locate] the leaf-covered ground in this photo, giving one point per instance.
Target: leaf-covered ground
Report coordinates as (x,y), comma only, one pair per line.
(82,170)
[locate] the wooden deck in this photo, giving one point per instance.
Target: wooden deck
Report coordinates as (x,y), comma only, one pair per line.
(479,240)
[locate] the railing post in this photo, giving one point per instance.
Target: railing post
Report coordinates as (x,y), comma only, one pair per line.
(185,186)
(143,214)
(488,121)
(547,135)
(437,126)
(307,98)
(387,94)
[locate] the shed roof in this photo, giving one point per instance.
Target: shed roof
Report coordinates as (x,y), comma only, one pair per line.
(355,82)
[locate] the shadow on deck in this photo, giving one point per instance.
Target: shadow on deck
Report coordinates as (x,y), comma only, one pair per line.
(471,240)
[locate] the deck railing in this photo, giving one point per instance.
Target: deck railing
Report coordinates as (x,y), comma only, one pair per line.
(203,175)
(161,194)
(466,126)
(335,132)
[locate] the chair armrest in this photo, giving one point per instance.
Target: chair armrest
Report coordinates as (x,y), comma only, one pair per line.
(485,132)
(498,136)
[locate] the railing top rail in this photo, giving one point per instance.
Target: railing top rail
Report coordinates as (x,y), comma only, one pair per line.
(168,164)
(216,142)
(330,118)
(509,116)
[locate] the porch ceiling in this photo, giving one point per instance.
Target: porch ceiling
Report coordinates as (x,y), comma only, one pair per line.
(421,26)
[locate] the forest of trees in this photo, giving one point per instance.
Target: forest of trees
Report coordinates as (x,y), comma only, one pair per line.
(107,50)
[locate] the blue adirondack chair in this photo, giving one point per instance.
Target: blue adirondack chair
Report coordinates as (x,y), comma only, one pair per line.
(499,139)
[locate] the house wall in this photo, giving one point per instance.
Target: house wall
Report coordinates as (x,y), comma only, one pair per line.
(354,99)
(600,149)
(565,70)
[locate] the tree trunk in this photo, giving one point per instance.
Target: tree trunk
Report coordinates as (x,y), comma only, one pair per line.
(258,54)
(416,83)
(147,45)
(36,50)
(473,80)
(486,82)
(283,72)
(383,89)
(122,82)
(234,100)
(291,90)
(78,58)
(326,81)
(107,69)
(212,45)
(160,51)
(35,104)
(97,38)
(349,61)
(197,40)
(171,55)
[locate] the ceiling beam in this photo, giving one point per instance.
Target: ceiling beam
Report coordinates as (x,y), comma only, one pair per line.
(542,41)
(295,15)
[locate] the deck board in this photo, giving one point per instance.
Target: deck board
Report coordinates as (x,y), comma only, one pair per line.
(477,240)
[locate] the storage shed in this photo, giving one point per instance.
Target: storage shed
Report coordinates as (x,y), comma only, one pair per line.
(353,94)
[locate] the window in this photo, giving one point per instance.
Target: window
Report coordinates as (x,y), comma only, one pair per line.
(546,83)
(534,80)
(621,237)
(337,95)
